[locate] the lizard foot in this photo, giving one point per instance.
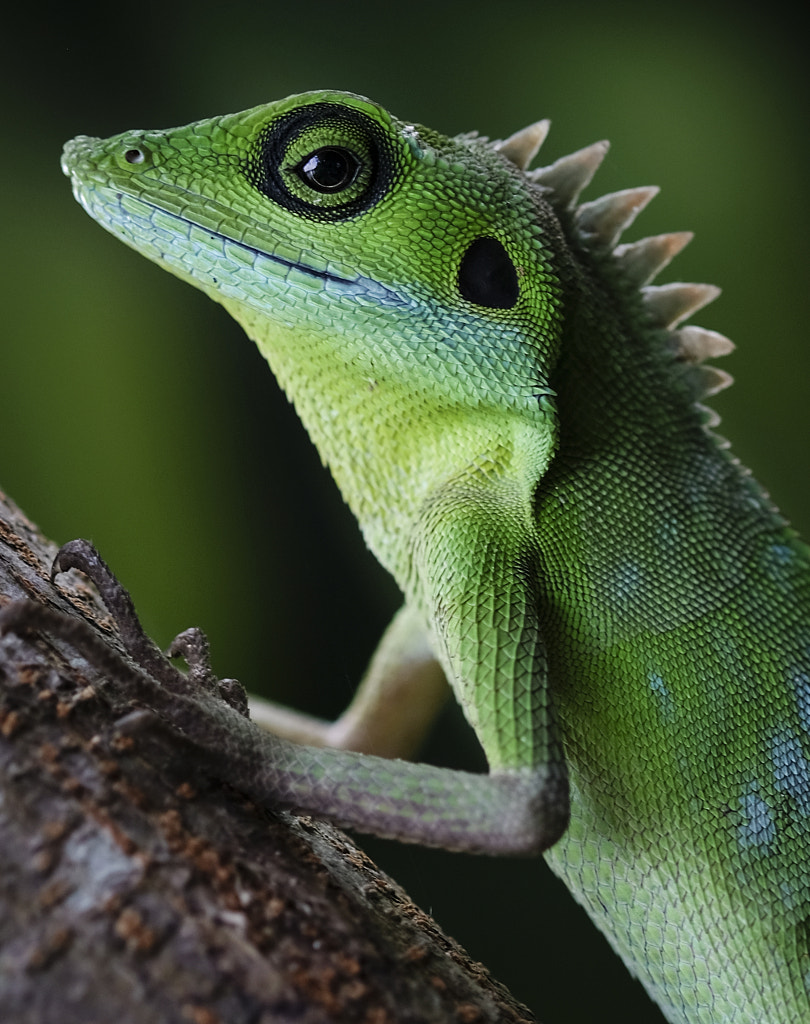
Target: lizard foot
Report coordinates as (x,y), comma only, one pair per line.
(192,644)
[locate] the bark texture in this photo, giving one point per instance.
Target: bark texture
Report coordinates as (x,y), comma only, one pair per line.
(135,888)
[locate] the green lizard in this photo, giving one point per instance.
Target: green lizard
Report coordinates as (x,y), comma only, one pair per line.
(512,412)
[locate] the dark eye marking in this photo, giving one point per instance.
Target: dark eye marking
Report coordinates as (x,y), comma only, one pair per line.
(333,182)
(487,276)
(329,169)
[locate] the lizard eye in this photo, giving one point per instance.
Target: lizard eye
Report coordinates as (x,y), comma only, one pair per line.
(323,161)
(329,169)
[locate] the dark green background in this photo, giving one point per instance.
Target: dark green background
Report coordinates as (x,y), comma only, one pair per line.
(134,412)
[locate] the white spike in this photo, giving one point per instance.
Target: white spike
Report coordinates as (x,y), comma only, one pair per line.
(641,261)
(712,380)
(522,147)
(694,344)
(668,304)
(711,419)
(569,175)
(602,220)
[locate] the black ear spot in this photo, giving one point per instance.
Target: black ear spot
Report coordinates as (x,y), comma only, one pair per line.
(486,275)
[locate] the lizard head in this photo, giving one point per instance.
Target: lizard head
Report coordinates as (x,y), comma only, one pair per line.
(408,255)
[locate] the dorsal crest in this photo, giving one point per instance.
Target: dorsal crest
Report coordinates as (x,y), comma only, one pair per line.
(598,225)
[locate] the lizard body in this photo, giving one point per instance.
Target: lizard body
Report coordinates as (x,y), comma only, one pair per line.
(512,412)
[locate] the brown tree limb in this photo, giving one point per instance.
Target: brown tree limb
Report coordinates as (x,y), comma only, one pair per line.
(134,888)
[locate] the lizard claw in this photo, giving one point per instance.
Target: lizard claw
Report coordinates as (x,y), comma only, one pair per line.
(192,645)
(82,555)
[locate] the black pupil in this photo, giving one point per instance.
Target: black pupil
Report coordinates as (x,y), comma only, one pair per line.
(329,169)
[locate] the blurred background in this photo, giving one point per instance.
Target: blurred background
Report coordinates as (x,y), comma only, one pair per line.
(135,413)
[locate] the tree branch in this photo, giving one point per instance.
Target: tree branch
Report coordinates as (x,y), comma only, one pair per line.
(135,888)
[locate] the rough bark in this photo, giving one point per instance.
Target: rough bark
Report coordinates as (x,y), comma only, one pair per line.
(136,889)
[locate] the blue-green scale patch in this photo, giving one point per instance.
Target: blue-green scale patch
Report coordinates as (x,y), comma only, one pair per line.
(626,582)
(801,685)
(791,771)
(666,705)
(759,829)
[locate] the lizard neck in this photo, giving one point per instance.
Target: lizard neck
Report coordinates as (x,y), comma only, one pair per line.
(394,453)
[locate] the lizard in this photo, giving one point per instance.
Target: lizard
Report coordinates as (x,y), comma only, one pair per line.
(514,413)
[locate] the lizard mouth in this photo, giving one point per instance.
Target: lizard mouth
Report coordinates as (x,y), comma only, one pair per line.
(174,234)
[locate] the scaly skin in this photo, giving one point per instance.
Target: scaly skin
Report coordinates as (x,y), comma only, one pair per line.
(613,600)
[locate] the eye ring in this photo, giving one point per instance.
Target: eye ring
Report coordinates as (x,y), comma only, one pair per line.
(354,161)
(329,169)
